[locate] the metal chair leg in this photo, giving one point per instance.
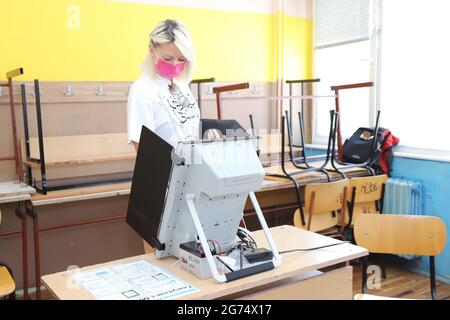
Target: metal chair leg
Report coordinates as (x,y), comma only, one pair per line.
(383,271)
(433,279)
(37,260)
(364,263)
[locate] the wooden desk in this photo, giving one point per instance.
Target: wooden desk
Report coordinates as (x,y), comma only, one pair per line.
(81,194)
(18,192)
(75,156)
(274,196)
(15,191)
(119,189)
(297,277)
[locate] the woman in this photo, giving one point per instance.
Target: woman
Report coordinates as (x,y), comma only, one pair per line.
(161,98)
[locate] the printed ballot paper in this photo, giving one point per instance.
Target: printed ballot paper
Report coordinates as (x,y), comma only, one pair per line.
(137,280)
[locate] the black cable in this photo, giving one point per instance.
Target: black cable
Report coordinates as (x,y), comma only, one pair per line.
(253,240)
(226,265)
(244,236)
(214,244)
(318,248)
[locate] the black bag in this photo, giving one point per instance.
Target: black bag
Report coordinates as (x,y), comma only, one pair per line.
(359,147)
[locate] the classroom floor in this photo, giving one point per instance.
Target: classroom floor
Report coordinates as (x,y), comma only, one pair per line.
(399,283)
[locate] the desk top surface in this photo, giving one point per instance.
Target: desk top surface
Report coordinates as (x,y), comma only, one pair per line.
(14,191)
(285,237)
(120,189)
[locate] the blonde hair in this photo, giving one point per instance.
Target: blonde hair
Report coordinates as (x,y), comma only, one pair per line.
(168,31)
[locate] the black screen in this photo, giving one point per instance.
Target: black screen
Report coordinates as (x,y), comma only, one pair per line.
(150,182)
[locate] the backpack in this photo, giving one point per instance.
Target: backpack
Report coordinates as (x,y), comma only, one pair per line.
(359,149)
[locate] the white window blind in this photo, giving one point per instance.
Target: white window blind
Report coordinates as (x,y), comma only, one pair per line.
(415,68)
(341,21)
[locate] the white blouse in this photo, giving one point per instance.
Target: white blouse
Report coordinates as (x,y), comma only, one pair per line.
(172,114)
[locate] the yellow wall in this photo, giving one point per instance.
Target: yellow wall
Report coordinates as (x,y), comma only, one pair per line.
(298,54)
(112,41)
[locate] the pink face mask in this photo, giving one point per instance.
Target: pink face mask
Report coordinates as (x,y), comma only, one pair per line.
(168,70)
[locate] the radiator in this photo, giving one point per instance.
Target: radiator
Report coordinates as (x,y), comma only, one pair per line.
(403,197)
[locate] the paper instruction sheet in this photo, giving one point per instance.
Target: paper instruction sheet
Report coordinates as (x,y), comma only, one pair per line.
(137,280)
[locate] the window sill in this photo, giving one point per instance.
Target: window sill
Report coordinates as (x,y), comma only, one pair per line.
(422,156)
(408,153)
(316,146)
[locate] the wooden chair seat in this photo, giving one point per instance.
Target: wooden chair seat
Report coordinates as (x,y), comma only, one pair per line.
(7,284)
(323,202)
(365,196)
(401,234)
(359,209)
(320,223)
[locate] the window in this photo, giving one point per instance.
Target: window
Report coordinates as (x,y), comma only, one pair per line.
(414,72)
(343,55)
(344,64)
(341,21)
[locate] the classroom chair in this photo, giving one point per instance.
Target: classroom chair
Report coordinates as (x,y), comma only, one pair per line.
(401,234)
(365,196)
(323,202)
(7,284)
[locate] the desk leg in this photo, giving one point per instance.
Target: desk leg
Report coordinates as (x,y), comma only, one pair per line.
(23,217)
(37,260)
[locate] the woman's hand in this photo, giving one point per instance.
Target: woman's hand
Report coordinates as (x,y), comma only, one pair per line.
(214,134)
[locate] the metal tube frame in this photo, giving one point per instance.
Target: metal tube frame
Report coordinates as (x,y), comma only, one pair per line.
(40,137)
(365,164)
(26,132)
(219,90)
(302,82)
(252,125)
(433,279)
(308,168)
(10,75)
(303,171)
(364,264)
(41,160)
(383,193)
(336,90)
(276,260)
